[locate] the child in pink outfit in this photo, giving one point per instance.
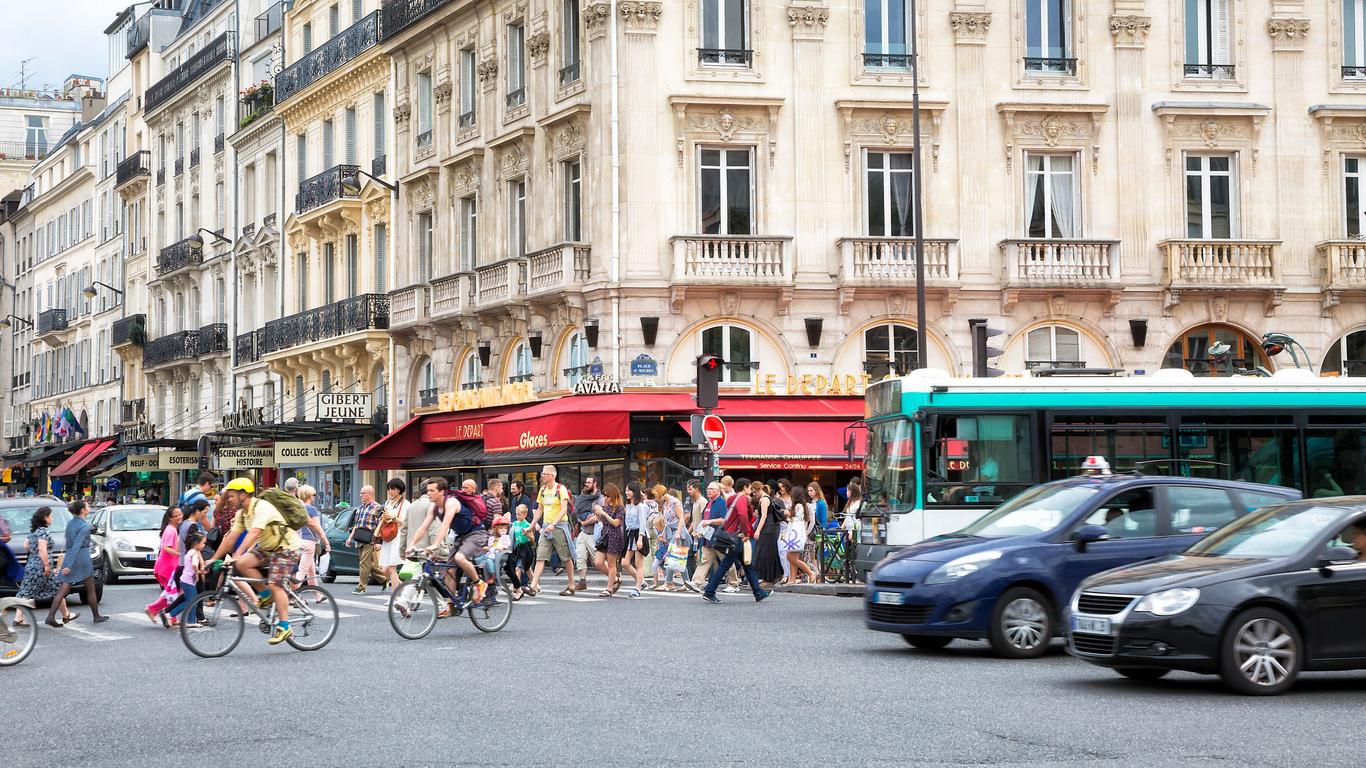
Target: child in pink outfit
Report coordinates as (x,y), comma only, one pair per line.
(167,560)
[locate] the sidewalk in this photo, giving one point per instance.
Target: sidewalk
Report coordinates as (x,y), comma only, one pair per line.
(836,590)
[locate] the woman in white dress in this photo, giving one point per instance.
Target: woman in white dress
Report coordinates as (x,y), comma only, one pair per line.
(391,551)
(792,538)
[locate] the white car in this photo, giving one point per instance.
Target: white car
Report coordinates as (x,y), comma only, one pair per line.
(130,536)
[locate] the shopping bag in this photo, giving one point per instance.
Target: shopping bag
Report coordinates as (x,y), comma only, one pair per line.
(324,563)
(677,558)
(749,553)
(409,570)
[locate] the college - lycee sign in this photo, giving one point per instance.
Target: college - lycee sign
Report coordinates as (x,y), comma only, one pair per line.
(306,454)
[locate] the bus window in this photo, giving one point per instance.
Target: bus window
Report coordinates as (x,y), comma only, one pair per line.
(979,460)
(1335,462)
(889,465)
(1253,455)
(1129,443)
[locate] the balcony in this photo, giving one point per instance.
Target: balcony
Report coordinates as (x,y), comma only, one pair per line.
(219,50)
(180,255)
(133,411)
(1353,72)
(247,348)
(377,167)
(1054,365)
(328,58)
(887,60)
(452,295)
(134,166)
(194,157)
(401,14)
(1055,263)
(257,101)
(212,339)
(335,183)
(743,259)
(130,330)
(161,176)
(1209,71)
(366,312)
(179,166)
(890,261)
(555,270)
(138,35)
(23,150)
(218,143)
(1221,264)
(52,327)
(1041,65)
(569,73)
(408,306)
(725,57)
(1344,263)
(426,397)
(182,345)
(515,98)
(500,283)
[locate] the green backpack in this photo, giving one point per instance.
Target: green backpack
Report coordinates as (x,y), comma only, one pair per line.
(291,509)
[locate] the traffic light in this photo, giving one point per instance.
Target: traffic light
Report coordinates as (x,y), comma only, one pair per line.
(708,380)
(980,351)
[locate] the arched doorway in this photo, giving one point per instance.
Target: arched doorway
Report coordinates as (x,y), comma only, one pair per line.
(1191,350)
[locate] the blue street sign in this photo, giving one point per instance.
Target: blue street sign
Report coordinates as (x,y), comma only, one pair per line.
(595,367)
(644,365)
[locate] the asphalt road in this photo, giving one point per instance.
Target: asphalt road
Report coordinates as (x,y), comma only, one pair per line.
(666,680)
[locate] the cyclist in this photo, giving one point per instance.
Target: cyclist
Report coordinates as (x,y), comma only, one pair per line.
(268,543)
(467,545)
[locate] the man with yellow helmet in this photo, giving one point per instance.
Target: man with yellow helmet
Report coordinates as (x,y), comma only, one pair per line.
(269,544)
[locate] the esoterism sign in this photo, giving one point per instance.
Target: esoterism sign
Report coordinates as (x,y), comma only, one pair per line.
(304,454)
(172,460)
(246,457)
(341,406)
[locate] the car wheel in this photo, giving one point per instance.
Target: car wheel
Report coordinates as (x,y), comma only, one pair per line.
(1261,653)
(927,642)
(1143,674)
(1022,624)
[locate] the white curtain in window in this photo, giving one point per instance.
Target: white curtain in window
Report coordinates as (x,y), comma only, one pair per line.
(1061,189)
(1034,171)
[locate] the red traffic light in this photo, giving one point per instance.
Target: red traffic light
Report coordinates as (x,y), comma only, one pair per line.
(709,362)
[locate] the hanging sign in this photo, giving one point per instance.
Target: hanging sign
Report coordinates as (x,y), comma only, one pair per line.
(246,457)
(143,462)
(342,406)
(139,432)
(173,460)
(597,385)
(305,454)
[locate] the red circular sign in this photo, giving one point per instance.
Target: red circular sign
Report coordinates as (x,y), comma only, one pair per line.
(714,429)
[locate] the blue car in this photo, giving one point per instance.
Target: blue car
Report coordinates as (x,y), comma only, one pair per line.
(1006,577)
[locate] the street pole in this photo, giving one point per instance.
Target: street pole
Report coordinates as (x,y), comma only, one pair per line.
(916,213)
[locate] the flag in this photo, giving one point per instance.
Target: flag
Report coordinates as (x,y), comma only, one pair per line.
(71,421)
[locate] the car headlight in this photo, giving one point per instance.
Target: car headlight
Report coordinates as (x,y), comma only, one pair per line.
(122,545)
(1168,602)
(957,569)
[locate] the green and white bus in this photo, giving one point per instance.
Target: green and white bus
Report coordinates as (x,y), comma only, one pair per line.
(942,450)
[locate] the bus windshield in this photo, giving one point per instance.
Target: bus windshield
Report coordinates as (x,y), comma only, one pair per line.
(889,467)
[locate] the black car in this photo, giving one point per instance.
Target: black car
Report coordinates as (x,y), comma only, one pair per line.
(1275,593)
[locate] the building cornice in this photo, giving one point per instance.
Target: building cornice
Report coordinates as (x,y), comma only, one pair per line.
(338,88)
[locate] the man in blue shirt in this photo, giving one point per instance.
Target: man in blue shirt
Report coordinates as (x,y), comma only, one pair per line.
(713,516)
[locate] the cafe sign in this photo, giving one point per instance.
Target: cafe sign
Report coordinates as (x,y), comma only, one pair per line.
(487,397)
(811,385)
(597,385)
(173,460)
(343,406)
(306,454)
(246,457)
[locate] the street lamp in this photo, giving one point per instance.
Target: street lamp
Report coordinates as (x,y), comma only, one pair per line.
(1275,342)
(197,240)
(916,213)
(90,292)
(377,180)
(5,321)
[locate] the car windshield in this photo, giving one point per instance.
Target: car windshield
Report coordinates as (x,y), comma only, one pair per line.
(135,519)
(1278,531)
(20,518)
(1036,510)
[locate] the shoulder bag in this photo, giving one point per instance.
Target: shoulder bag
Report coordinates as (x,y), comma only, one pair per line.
(388,529)
(363,535)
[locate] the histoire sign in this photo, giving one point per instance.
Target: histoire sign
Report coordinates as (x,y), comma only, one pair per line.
(246,457)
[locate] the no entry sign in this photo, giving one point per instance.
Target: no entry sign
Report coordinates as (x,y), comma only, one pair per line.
(714,429)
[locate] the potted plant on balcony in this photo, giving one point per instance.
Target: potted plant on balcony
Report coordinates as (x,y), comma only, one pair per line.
(137,335)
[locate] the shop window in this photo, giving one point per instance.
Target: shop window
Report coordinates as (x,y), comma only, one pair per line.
(1053,346)
(1347,356)
(470,372)
(734,344)
(426,392)
(889,349)
(1216,350)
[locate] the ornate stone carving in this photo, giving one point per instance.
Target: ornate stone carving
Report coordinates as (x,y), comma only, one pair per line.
(595,18)
(1212,131)
(1050,129)
(1130,31)
(807,21)
(467,175)
(570,137)
(724,123)
(513,159)
(402,112)
(970,27)
(488,70)
(377,210)
(442,93)
(1288,34)
(1071,126)
(536,48)
(640,17)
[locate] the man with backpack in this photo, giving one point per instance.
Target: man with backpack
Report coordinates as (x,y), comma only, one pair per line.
(553,505)
(461,512)
(201,490)
(271,544)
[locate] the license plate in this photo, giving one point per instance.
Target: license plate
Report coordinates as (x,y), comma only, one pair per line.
(1091,624)
(151,558)
(889,598)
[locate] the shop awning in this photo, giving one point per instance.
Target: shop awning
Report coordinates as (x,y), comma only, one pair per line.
(578,420)
(416,436)
(117,468)
(43,453)
(459,455)
(790,445)
(83,457)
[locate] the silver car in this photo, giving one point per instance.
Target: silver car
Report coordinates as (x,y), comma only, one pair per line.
(130,537)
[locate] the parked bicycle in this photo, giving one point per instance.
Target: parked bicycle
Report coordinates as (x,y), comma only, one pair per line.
(313,617)
(835,555)
(416,603)
(16,639)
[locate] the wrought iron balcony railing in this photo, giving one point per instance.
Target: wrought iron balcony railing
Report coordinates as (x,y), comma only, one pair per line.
(887,60)
(516,97)
(179,255)
(332,184)
(735,57)
(1211,71)
(426,397)
(569,73)
(467,119)
(1050,65)
(194,157)
(133,410)
(377,166)
(219,50)
(182,345)
(213,339)
(260,102)
(137,164)
(51,321)
(129,330)
(328,58)
(161,176)
(247,348)
(218,144)
(1034,365)
(401,14)
(179,165)
(1353,72)
(369,311)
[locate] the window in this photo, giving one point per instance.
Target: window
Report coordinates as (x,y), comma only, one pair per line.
(885,34)
(1347,356)
(470,372)
(983,460)
(298,398)
(357,10)
(1207,39)
(426,393)
(329,273)
(1048,37)
(424,246)
(194,133)
(469,232)
(301,152)
(326,383)
(1334,461)
(424,109)
(576,357)
(889,349)
(520,369)
(381,257)
(1209,196)
(573,200)
(221,300)
(378,110)
(467,84)
(303,281)
(726,192)
(219,122)
(569,41)
(333,21)
(35,136)
(733,344)
(725,33)
(1054,346)
(352,266)
(1130,514)
(1355,215)
(220,206)
(516,95)
(1050,196)
(517,216)
(350,123)
(1354,39)
(1196,351)
(888,194)
(328,130)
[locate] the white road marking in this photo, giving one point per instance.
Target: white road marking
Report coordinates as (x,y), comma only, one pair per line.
(359,604)
(89,635)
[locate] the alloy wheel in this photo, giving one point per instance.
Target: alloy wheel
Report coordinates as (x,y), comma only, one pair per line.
(1266,651)
(1025,622)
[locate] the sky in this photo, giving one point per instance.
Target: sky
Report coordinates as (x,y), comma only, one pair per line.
(62,36)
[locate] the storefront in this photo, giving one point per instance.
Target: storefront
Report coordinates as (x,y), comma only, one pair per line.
(323,454)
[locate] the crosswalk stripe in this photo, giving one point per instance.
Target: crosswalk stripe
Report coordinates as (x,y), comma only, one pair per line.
(89,635)
(359,604)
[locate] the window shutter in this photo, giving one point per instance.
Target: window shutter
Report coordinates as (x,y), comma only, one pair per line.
(357,9)
(379,124)
(327,144)
(381,252)
(221,202)
(351,135)
(1219,36)
(333,21)
(308,37)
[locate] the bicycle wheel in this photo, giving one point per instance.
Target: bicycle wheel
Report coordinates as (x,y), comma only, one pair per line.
(412,609)
(493,614)
(221,629)
(18,644)
(313,619)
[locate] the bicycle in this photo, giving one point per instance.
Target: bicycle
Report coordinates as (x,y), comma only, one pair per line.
(16,640)
(313,617)
(414,606)
(835,553)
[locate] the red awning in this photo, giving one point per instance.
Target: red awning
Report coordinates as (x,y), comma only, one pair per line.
(83,457)
(790,445)
(414,437)
(578,420)
(850,408)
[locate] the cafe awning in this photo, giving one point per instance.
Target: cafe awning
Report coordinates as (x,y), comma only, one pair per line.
(782,445)
(578,420)
(83,456)
(406,445)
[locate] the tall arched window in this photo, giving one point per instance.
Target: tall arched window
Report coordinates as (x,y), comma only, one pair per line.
(735,345)
(576,357)
(1347,356)
(426,392)
(520,368)
(889,348)
(470,372)
(1053,346)
(1192,351)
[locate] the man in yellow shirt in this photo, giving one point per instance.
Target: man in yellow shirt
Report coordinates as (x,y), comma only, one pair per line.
(553,505)
(269,543)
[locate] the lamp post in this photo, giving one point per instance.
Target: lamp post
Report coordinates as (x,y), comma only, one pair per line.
(91,291)
(196,238)
(5,321)
(916,212)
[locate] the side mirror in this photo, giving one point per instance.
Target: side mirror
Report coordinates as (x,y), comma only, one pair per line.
(1088,534)
(1336,555)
